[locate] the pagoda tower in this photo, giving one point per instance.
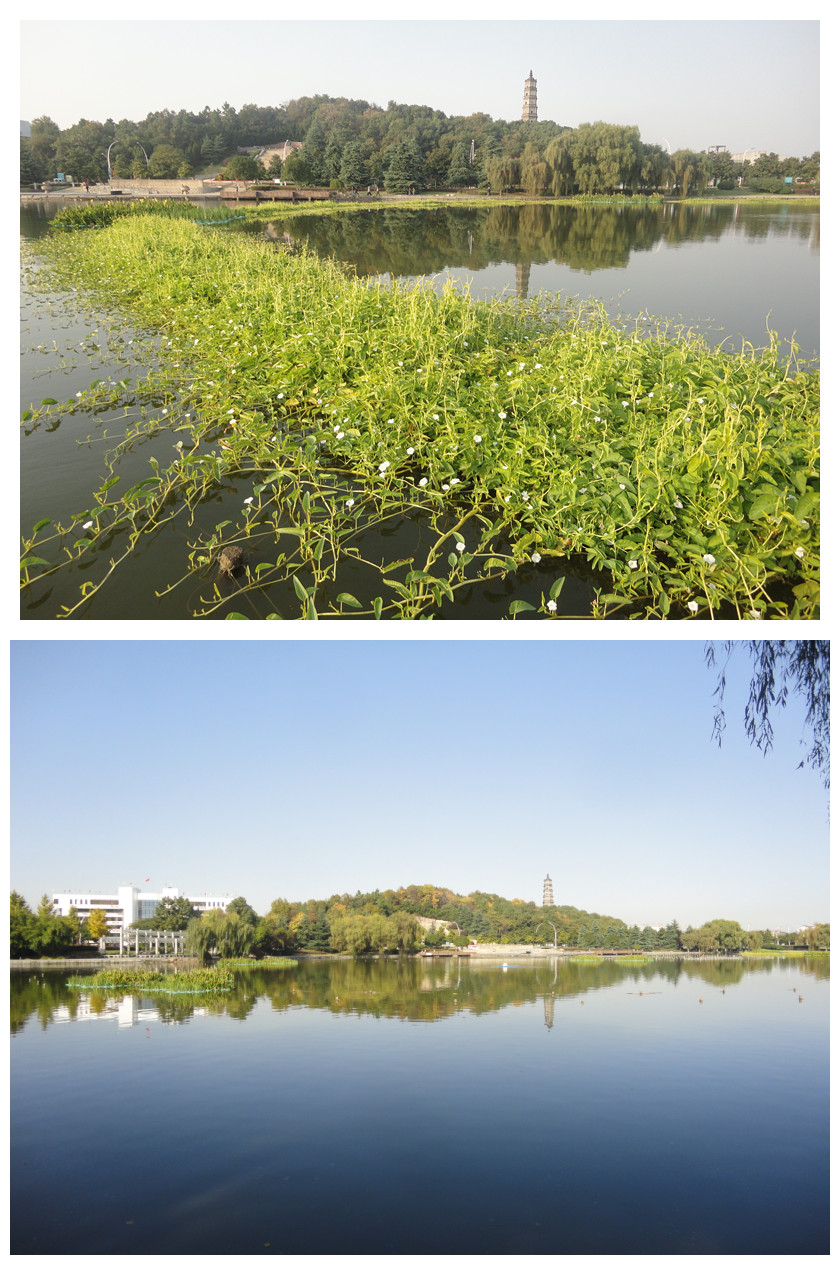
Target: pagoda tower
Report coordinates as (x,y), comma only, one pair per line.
(529,105)
(548,891)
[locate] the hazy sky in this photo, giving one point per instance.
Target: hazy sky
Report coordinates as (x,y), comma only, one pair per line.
(744,84)
(303,769)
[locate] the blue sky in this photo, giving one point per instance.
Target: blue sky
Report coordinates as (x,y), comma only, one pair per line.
(305,768)
(745,84)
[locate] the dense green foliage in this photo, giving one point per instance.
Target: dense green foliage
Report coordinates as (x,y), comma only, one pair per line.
(352,142)
(685,478)
(229,934)
(42,933)
(215,979)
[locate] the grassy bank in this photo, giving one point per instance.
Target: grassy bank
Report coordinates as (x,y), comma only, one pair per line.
(686,478)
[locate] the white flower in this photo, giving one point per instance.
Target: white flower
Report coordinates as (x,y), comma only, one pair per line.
(678,505)
(349,502)
(551,604)
(536,557)
(445,487)
(248,500)
(435,417)
(709,558)
(800,552)
(453,481)
(280,396)
(88,524)
(621,487)
(503,416)
(460,546)
(410,452)
(477,438)
(625,403)
(509,374)
(340,435)
(693,607)
(755,614)
(521,364)
(383,466)
(538,366)
(390,421)
(423,483)
(632,564)
(524,496)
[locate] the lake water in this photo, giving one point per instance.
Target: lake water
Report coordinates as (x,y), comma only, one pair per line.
(427,1107)
(726,270)
(730,271)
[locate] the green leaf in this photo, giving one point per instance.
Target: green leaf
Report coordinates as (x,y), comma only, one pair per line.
(516,608)
(236,615)
(377,608)
(42,522)
(30,560)
(299,589)
(556,587)
(347,599)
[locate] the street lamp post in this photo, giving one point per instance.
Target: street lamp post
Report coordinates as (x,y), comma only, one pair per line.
(551,924)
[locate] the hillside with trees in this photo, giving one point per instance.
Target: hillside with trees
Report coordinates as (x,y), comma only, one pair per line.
(351,143)
(374,922)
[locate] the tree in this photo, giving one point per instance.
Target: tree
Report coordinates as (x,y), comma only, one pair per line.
(97,925)
(297,168)
(243,167)
(721,935)
(239,905)
(780,668)
(405,170)
(200,938)
(534,172)
(460,173)
(164,162)
(173,913)
(353,171)
(49,934)
(21,921)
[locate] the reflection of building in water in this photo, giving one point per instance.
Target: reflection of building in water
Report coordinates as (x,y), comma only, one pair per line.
(548,891)
(128,1011)
(529,105)
(523,276)
(548,1007)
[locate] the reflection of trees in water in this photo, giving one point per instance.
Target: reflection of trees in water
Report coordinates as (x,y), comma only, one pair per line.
(408,242)
(417,990)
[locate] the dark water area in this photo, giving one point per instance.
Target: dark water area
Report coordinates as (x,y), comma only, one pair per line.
(427,1107)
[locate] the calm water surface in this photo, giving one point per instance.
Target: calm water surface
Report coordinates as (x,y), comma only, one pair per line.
(445,1107)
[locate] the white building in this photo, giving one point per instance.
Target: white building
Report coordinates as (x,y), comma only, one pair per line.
(129,904)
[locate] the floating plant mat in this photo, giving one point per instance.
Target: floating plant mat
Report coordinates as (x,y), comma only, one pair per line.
(210,980)
(339,448)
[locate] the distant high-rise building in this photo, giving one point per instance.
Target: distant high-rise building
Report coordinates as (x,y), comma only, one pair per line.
(548,891)
(529,105)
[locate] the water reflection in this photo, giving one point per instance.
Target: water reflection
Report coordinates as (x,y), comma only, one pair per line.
(585,239)
(410,990)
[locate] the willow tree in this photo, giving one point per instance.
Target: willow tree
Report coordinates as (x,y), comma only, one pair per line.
(690,170)
(534,172)
(559,157)
(781,669)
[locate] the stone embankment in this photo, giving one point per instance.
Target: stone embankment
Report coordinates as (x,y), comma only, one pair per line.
(103,963)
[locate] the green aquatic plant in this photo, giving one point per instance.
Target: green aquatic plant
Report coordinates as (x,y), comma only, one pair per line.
(214,979)
(505,437)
